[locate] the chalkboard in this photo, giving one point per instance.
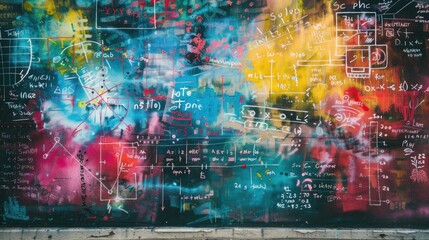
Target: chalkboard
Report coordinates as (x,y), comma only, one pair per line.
(214,113)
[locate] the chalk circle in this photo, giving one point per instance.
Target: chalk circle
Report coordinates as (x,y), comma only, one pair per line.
(109,192)
(56,59)
(57,139)
(45,156)
(81,104)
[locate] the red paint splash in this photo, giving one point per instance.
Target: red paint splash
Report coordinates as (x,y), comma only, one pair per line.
(353,92)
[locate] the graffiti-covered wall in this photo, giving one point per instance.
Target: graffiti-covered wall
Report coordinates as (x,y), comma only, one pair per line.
(214,113)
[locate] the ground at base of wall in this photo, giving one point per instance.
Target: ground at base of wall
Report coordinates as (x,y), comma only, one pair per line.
(209,233)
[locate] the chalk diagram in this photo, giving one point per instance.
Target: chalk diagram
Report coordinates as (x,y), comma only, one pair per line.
(15,61)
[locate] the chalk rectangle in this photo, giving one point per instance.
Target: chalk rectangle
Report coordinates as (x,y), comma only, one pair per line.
(261,113)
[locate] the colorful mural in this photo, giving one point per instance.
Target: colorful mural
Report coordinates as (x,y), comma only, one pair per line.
(214,113)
